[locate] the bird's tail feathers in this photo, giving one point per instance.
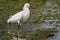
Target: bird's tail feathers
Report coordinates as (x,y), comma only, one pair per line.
(8,21)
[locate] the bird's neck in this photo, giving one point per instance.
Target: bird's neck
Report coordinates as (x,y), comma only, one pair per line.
(26,9)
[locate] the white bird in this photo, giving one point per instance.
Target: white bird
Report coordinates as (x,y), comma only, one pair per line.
(21,16)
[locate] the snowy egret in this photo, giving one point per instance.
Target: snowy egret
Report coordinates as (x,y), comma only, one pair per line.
(20,17)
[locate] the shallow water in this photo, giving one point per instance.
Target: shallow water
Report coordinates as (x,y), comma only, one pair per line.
(52,10)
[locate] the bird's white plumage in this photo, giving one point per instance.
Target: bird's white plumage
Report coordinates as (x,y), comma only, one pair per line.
(20,16)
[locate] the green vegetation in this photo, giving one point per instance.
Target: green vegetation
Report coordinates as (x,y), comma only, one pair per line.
(10,7)
(5,36)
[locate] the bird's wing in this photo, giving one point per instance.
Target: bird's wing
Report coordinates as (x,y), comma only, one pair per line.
(16,17)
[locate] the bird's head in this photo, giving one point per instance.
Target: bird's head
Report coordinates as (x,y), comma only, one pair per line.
(27,5)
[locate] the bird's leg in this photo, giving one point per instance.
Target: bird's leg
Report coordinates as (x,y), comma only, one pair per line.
(19,27)
(18,32)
